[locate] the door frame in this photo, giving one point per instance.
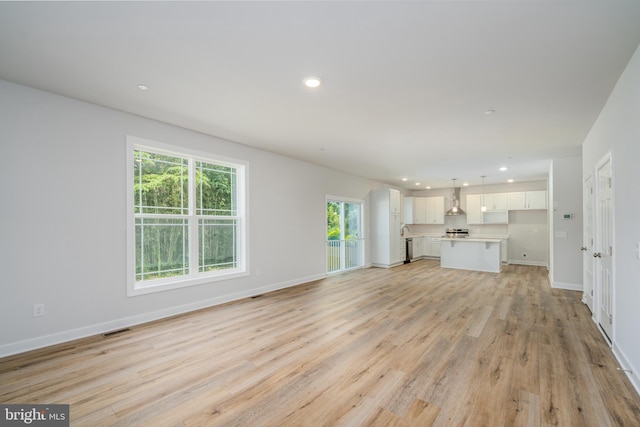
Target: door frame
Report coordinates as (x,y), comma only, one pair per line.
(588,209)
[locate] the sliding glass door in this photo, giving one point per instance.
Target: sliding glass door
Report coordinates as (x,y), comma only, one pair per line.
(345,244)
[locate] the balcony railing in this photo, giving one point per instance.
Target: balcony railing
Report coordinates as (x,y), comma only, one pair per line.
(344,254)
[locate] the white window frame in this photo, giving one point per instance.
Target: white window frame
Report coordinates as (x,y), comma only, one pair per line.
(135,288)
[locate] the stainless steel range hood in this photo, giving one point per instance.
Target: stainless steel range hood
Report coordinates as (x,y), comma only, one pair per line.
(455,202)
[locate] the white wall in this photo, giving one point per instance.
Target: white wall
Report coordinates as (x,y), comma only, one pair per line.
(617,130)
(566,235)
(62,219)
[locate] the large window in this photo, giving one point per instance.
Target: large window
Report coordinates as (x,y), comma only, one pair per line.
(187,220)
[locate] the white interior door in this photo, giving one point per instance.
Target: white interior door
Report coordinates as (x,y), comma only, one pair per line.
(603,254)
(587,244)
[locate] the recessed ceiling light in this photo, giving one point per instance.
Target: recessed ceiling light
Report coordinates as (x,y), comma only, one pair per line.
(143,87)
(428,187)
(312,81)
(510,180)
(404,179)
(503,168)
(466,184)
(417,183)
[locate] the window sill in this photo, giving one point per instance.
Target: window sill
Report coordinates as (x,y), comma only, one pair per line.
(161,285)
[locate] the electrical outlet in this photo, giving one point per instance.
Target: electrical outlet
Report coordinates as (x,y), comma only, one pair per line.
(38,310)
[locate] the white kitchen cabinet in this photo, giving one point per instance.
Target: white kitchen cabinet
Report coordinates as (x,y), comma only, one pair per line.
(496,201)
(394,240)
(418,247)
(474,211)
(536,199)
(435,210)
(409,210)
(424,210)
(386,242)
(476,216)
(491,216)
(526,200)
(496,212)
(471,254)
(504,250)
(394,201)
(435,247)
(426,246)
(415,210)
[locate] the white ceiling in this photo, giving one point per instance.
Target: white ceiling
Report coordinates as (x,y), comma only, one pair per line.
(405,84)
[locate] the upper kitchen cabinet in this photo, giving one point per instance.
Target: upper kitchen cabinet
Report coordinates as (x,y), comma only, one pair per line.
(496,201)
(394,201)
(424,210)
(536,199)
(435,210)
(491,216)
(415,210)
(474,209)
(526,200)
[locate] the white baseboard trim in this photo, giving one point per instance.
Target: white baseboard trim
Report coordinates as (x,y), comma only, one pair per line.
(100,328)
(632,372)
(566,286)
(521,262)
(375,264)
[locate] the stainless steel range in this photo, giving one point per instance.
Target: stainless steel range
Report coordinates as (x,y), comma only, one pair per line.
(457,233)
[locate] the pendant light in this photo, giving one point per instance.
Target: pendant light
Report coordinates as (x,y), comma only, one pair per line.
(483,208)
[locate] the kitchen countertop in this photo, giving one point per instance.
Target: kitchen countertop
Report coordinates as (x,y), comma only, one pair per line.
(408,236)
(473,239)
(472,236)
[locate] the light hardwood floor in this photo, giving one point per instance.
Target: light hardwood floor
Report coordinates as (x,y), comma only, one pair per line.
(416,345)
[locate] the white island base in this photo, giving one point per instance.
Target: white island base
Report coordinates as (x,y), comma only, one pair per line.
(471,254)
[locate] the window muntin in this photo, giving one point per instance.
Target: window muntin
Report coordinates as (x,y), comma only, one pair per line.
(161,248)
(161,183)
(217,248)
(188,219)
(215,190)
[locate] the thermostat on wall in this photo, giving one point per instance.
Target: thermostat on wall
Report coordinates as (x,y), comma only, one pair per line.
(567,216)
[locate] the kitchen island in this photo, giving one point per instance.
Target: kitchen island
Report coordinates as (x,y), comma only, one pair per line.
(480,254)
